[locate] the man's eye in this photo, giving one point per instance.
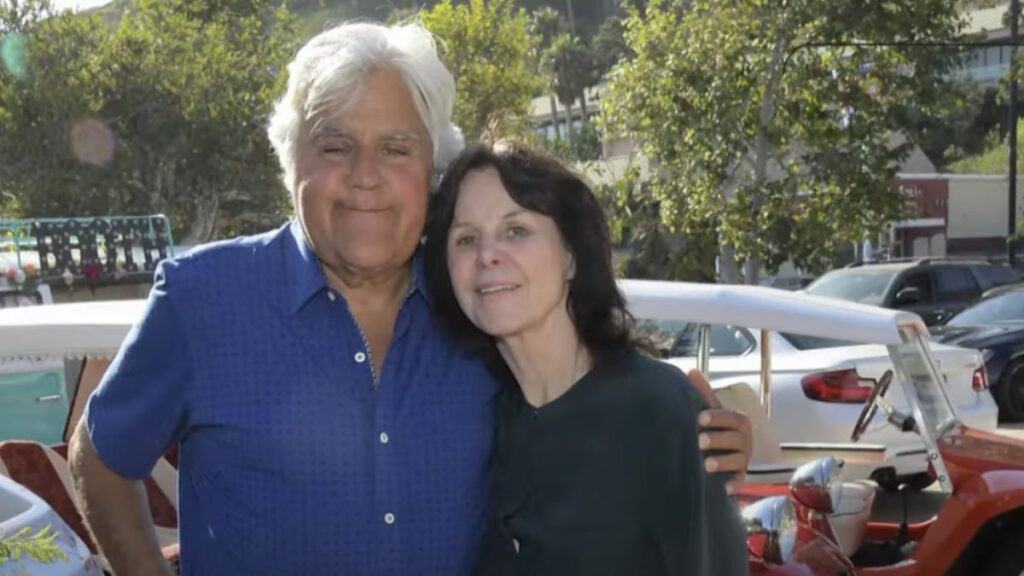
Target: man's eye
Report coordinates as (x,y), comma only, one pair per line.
(395,151)
(336,150)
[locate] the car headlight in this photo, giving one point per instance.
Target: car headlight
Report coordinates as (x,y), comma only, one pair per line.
(771,529)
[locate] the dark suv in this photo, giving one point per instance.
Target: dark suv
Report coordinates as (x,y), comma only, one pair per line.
(936,289)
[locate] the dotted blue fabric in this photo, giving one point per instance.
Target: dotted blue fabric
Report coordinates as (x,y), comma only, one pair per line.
(250,361)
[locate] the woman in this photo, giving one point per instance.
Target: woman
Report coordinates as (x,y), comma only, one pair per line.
(594,473)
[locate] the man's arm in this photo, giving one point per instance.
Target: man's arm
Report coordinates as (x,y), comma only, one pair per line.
(116,511)
(727,432)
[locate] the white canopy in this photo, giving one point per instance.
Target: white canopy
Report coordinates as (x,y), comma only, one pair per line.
(67,330)
(763,308)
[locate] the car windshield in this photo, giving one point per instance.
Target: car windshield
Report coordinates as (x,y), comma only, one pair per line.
(1004,308)
(857,285)
(927,394)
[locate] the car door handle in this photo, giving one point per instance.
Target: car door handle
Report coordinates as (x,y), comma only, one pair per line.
(47,399)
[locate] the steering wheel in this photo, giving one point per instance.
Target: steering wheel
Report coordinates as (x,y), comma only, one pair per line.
(871,406)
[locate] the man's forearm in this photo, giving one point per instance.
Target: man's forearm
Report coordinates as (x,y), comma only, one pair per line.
(116,511)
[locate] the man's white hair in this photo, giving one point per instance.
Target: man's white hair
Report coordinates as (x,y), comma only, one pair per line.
(330,71)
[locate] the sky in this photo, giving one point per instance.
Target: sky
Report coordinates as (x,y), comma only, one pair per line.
(77,4)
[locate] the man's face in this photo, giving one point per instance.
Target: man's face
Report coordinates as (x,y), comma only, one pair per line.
(362,180)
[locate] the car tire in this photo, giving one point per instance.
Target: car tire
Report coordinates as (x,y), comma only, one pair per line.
(1010,396)
(1005,557)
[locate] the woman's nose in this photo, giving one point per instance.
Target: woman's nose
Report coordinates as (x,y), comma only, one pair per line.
(489,253)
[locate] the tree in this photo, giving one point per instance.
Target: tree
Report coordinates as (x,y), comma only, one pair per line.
(487,45)
(164,113)
(786,152)
(570,63)
(545,25)
(609,45)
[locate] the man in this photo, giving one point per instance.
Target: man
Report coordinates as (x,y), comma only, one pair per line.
(326,424)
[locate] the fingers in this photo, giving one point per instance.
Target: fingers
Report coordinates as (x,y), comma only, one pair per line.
(725,420)
(725,441)
(734,484)
(733,462)
(701,384)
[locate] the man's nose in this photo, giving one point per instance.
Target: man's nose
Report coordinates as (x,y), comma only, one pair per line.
(365,169)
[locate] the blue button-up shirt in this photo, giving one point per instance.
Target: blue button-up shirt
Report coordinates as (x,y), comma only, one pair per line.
(292,460)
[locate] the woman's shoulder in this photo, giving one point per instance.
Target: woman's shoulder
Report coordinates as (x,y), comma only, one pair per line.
(653,383)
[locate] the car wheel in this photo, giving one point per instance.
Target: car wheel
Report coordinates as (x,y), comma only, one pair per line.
(1006,559)
(1011,393)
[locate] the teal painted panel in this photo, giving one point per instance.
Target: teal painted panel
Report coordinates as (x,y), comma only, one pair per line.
(33,406)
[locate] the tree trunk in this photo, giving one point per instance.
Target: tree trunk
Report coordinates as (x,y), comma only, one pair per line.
(204,220)
(583,105)
(752,270)
(728,269)
(554,115)
(568,122)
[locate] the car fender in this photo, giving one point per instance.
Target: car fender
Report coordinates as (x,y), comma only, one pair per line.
(979,501)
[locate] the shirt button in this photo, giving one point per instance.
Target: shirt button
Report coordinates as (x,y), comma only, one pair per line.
(360,357)
(330,296)
(383,437)
(389,518)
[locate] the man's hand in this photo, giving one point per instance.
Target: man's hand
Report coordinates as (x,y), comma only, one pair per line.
(726,431)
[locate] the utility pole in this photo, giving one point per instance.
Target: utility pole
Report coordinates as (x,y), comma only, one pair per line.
(1012,126)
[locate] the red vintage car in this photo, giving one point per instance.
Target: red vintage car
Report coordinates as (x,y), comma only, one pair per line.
(802,516)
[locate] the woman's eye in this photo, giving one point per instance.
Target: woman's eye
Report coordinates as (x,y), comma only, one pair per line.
(517,232)
(464,241)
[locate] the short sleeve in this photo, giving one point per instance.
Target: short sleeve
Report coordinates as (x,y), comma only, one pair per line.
(139,408)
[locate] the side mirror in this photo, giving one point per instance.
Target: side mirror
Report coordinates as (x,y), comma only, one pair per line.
(816,484)
(907,296)
(771,529)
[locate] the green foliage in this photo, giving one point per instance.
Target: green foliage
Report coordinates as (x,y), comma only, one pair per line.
(583,146)
(652,250)
(780,159)
(40,546)
(487,45)
(165,112)
(994,159)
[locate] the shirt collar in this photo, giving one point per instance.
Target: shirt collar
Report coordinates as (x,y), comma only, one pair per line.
(307,278)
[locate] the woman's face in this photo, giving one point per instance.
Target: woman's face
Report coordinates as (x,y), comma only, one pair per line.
(508,265)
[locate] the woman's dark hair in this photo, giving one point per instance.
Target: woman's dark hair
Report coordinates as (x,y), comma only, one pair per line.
(541,184)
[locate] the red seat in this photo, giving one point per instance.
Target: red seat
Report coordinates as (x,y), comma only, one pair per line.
(45,472)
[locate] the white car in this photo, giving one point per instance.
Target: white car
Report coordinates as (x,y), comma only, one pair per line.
(819,384)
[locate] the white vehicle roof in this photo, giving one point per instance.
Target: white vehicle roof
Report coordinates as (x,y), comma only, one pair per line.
(68,330)
(766,308)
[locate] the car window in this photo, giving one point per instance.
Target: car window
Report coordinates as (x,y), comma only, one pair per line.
(858,284)
(805,342)
(921,280)
(955,283)
(679,339)
(990,275)
(1008,307)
